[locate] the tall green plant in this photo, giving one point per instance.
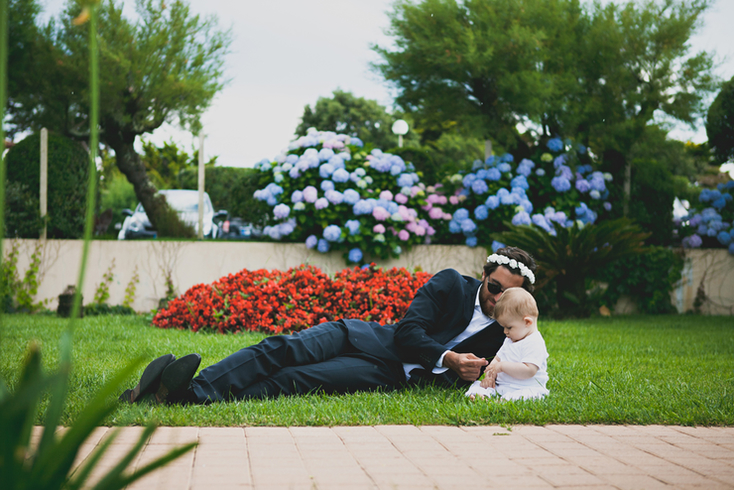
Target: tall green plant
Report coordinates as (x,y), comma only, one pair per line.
(49,465)
(574,254)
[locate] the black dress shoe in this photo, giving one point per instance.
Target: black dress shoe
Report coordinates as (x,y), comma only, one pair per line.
(176,378)
(149,381)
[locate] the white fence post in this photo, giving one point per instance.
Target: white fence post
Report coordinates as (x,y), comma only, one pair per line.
(201,185)
(44,180)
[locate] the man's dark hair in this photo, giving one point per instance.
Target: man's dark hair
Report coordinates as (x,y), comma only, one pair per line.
(521,256)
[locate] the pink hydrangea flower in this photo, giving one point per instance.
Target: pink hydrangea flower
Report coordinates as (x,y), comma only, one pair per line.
(454,200)
(321,203)
(435,213)
(404,235)
(310,194)
(380,213)
(419,230)
(378,228)
(401,198)
(386,195)
(427,207)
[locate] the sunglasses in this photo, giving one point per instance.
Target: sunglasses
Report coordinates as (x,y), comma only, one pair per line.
(494,288)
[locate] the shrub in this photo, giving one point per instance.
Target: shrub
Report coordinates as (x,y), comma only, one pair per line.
(68,173)
(282,302)
(647,279)
(331,192)
(574,255)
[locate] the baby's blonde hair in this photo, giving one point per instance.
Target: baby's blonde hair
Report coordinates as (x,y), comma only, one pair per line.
(516,302)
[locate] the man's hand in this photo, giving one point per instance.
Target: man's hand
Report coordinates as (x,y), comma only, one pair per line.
(467,366)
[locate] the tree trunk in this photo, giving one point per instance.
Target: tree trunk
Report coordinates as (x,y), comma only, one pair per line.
(165,221)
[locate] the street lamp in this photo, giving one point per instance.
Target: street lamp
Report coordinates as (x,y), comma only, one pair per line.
(400,127)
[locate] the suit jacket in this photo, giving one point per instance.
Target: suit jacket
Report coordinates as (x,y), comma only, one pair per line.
(440,311)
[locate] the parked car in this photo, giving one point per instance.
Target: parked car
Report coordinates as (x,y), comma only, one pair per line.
(185,203)
(238,229)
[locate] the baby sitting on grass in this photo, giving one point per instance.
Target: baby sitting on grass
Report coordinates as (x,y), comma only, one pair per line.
(519,370)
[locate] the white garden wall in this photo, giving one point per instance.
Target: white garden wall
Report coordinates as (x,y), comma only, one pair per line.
(190,263)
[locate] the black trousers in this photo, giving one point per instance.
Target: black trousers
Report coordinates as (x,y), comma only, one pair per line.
(320,358)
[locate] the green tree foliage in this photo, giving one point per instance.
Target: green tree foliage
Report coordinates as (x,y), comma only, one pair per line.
(596,74)
(481,64)
(68,173)
(164,67)
(164,164)
(636,61)
(230,188)
(356,116)
(720,123)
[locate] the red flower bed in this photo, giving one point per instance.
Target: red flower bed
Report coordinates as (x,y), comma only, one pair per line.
(280,302)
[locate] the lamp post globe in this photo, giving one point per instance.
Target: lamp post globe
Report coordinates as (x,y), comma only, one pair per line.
(400,127)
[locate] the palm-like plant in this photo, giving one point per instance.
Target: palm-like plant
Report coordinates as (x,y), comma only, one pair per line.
(574,254)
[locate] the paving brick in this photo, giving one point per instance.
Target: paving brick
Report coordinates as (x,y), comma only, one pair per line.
(634,482)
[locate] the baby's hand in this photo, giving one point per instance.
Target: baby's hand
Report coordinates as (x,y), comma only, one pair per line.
(490,374)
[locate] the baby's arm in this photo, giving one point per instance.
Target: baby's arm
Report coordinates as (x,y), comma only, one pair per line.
(518,370)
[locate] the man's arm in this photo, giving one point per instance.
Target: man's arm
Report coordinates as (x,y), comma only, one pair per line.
(437,302)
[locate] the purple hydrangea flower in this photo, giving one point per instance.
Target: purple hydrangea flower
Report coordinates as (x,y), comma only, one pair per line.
(693,241)
(461,214)
(494,174)
(323,246)
(351,196)
(481,212)
(497,245)
(332,233)
(492,202)
(521,218)
(479,187)
(334,197)
(582,185)
(561,184)
(327,185)
(454,226)
(311,241)
(353,226)
(555,144)
(468,227)
(281,211)
(504,167)
(340,175)
(355,255)
(608,206)
(471,241)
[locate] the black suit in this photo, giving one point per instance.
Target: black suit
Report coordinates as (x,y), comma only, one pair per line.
(353,355)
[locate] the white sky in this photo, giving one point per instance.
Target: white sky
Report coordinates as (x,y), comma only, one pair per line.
(288,53)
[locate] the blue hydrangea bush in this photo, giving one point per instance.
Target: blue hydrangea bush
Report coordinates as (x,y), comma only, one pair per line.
(710,222)
(333,193)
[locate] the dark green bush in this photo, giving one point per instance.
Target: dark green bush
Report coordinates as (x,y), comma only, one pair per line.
(96,309)
(230,188)
(647,279)
(68,171)
(651,201)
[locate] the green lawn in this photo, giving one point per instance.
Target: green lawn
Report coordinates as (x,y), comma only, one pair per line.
(622,370)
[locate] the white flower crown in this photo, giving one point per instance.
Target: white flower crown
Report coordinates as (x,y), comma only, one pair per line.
(514,264)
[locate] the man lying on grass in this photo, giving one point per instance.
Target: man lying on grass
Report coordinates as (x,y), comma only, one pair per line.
(444,338)
(519,371)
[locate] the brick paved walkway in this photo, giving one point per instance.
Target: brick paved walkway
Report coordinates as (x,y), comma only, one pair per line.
(430,457)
